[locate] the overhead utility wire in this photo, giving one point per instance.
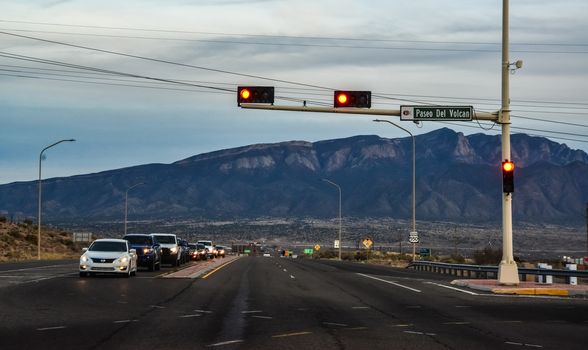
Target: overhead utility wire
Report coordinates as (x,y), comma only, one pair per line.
(290,44)
(285,36)
(70,65)
(164,61)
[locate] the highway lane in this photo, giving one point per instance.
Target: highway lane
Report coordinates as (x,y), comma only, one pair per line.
(269,303)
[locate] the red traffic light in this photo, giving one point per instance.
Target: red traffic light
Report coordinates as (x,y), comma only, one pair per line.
(508,176)
(357,99)
(508,166)
(255,94)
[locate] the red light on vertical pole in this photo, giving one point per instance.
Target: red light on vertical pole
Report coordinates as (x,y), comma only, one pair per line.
(508,176)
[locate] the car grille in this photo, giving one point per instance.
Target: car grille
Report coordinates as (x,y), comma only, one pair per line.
(102,268)
(102,261)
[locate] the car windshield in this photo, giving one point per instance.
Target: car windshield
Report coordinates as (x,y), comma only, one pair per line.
(200,246)
(143,240)
(106,246)
(166,239)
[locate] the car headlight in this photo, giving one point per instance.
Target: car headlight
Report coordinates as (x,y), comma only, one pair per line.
(83,258)
(174,250)
(123,260)
(147,250)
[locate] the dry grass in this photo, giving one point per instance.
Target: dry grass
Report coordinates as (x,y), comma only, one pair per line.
(19,242)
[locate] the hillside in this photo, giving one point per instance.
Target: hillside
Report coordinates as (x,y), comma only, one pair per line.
(458,179)
(19,242)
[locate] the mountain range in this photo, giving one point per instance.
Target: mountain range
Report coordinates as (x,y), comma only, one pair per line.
(458,178)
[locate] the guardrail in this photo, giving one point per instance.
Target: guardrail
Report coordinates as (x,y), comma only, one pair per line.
(484,271)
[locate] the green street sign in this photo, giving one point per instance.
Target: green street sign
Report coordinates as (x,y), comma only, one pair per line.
(308,251)
(443,113)
(247,251)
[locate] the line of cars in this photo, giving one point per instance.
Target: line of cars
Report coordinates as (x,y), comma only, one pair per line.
(124,256)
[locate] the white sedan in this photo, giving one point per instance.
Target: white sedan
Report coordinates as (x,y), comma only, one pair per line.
(108,256)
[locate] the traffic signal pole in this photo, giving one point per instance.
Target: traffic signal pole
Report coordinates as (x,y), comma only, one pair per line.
(507,270)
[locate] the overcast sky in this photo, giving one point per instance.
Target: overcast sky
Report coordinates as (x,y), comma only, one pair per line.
(419,51)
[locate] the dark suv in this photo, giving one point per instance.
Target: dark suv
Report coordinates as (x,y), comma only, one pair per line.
(148,250)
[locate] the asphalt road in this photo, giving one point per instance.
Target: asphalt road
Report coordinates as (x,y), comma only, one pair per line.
(274,303)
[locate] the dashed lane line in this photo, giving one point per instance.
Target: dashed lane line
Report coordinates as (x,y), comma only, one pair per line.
(294,334)
(228,342)
(263,317)
(335,324)
(390,282)
(190,316)
(51,328)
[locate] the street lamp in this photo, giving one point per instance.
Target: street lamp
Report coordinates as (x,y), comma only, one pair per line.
(413,232)
(40,190)
(127,201)
(339,188)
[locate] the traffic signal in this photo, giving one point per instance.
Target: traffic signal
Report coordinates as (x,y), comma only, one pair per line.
(358,99)
(508,176)
(255,94)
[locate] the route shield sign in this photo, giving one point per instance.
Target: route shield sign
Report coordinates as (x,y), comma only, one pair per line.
(336,245)
(413,237)
(442,113)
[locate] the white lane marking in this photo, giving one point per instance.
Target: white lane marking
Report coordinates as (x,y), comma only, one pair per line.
(402,325)
(203,311)
(390,282)
(335,324)
(292,277)
(513,343)
(510,321)
(263,317)
(125,321)
(157,307)
(285,270)
(225,343)
(38,268)
(413,307)
(360,307)
(191,315)
(533,345)
(50,328)
(455,323)
(462,306)
(419,333)
(252,312)
(452,288)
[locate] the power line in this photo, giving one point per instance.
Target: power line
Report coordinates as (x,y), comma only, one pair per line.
(294,44)
(311,37)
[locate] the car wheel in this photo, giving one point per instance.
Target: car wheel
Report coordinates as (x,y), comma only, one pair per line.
(177,262)
(158,266)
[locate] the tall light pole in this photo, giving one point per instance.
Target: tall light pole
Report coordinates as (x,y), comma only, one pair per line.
(127,202)
(507,270)
(40,192)
(414,231)
(339,188)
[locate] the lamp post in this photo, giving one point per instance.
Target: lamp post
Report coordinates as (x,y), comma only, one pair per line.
(127,202)
(40,193)
(414,232)
(339,188)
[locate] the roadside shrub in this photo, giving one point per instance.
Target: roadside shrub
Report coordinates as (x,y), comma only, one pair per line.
(488,256)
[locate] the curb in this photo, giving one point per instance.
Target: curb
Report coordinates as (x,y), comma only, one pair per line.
(532,291)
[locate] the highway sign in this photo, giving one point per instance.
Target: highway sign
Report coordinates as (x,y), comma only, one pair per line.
(443,113)
(317,247)
(308,251)
(424,252)
(367,243)
(336,245)
(413,237)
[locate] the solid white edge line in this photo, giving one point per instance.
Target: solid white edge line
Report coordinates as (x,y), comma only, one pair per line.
(452,288)
(390,282)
